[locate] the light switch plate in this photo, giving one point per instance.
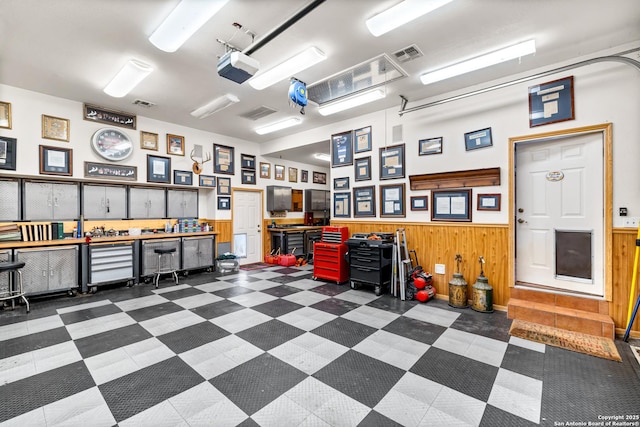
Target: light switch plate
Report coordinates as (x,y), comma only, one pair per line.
(440,269)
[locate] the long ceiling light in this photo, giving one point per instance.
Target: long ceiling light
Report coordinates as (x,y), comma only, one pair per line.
(187,18)
(291,121)
(301,61)
(214,106)
(400,14)
(128,77)
(496,57)
(322,156)
(351,102)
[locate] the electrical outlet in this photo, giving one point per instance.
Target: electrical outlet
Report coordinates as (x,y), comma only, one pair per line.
(630,221)
(439,268)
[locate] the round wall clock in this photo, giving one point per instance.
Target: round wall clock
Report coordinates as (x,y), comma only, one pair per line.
(112,144)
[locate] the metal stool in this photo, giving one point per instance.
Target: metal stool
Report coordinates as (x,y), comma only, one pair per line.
(167,269)
(17,291)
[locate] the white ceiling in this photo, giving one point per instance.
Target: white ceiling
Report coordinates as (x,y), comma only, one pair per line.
(72,48)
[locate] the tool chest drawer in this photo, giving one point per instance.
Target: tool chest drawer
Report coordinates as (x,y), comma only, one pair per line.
(329,262)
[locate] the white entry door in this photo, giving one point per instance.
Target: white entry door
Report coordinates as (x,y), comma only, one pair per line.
(247,221)
(560,214)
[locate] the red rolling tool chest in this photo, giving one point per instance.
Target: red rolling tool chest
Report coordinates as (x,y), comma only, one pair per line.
(328,255)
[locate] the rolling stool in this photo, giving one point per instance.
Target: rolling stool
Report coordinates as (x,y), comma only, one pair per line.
(164,270)
(8,293)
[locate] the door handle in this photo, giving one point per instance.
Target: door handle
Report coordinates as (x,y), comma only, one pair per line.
(521,221)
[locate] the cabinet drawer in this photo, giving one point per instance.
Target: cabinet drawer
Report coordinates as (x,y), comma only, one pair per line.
(364,262)
(370,275)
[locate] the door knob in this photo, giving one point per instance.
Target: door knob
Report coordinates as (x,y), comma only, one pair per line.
(521,221)
(520,210)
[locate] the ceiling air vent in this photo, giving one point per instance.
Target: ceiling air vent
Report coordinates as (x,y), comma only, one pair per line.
(407,54)
(258,113)
(143,103)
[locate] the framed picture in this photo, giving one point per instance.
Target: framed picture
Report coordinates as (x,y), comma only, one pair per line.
(392,201)
(247,161)
(342,205)
(248,176)
(363,169)
(392,162)
(148,140)
(56,161)
(362,140)
(430,146)
(224,203)
(341,183)
(175,145)
(158,169)
(342,149)
(364,201)
(278,172)
(224,186)
(488,202)
(182,177)
(304,176)
(478,139)
(207,181)
(293,174)
(551,102)
(319,177)
(8,153)
(5,115)
(104,170)
(55,128)
(419,203)
(451,205)
(265,170)
(110,117)
(223,159)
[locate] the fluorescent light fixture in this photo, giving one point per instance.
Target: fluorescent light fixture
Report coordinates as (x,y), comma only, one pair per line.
(128,77)
(214,106)
(301,61)
(496,57)
(351,102)
(322,156)
(291,121)
(187,18)
(401,14)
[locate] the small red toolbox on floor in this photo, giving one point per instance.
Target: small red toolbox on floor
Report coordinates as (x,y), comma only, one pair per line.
(287,260)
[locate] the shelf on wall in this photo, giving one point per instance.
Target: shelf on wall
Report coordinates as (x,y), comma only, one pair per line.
(456,179)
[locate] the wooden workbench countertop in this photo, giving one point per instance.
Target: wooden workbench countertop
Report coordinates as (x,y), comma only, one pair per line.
(294,229)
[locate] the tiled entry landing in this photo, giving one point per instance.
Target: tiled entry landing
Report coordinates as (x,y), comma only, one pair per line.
(274,348)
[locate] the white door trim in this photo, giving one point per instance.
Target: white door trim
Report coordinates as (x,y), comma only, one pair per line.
(261,216)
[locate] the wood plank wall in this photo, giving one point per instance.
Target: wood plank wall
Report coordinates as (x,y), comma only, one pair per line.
(224,227)
(624,248)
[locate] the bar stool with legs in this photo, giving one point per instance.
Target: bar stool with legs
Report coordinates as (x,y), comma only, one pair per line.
(12,292)
(163,254)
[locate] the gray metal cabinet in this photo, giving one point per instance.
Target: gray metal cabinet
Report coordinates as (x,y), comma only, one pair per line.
(278,198)
(105,263)
(150,258)
(316,200)
(52,269)
(182,203)
(51,201)
(146,202)
(104,201)
(198,252)
(9,200)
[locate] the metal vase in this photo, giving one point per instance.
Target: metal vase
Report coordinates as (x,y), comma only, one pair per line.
(458,297)
(482,300)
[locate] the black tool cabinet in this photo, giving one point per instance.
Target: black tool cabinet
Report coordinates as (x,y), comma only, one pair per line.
(370,263)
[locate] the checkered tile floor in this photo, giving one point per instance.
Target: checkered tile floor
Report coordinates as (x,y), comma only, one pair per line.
(272,347)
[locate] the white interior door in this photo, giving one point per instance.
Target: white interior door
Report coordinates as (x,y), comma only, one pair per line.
(247,221)
(560,214)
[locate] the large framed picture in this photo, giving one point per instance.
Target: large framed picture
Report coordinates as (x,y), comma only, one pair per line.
(207,181)
(224,186)
(55,128)
(342,205)
(223,159)
(182,177)
(175,145)
(430,146)
(158,169)
(451,205)
(5,115)
(364,202)
(551,102)
(362,140)
(342,149)
(478,139)
(392,162)
(56,161)
(148,140)
(8,153)
(363,169)
(111,117)
(392,201)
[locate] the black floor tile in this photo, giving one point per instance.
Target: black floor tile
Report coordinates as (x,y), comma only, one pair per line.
(284,279)
(193,336)
(110,340)
(344,331)
(335,306)
(181,293)
(376,419)
(330,289)
(524,361)
(217,309)
(38,390)
(199,278)
(242,279)
(33,342)
(248,423)
(286,270)
(232,292)
(277,307)
(361,377)
(255,384)
(416,330)
(281,291)
(89,313)
(154,311)
(270,334)
(460,373)
(140,390)
(392,304)
(491,325)
(495,417)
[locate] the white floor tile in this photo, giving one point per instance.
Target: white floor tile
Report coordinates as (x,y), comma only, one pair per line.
(252,299)
(535,346)
(141,302)
(214,286)
(197,300)
(429,314)
(305,297)
(171,322)
(215,358)
(161,415)
(517,394)
(409,400)
(392,349)
(55,356)
(476,347)
(86,306)
(99,325)
(33,418)
(446,410)
(86,408)
(204,404)
(308,352)
(371,316)
(174,288)
(305,284)
(28,327)
(266,275)
(260,285)
(357,296)
(17,367)
(240,320)
(282,412)
(307,318)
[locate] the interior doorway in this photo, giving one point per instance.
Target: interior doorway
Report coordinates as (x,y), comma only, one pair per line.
(247,225)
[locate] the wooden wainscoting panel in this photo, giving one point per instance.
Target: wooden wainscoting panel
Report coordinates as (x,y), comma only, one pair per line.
(624,247)
(224,229)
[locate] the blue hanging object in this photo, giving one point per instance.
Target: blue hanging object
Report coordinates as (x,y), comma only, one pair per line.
(298,93)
